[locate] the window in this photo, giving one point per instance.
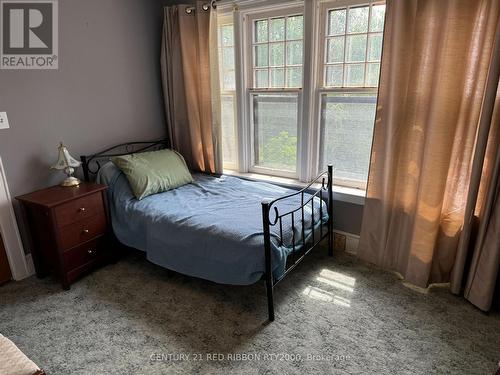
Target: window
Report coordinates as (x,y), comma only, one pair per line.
(346,127)
(228,93)
(352,45)
(277,52)
(275,77)
(275,129)
(279,129)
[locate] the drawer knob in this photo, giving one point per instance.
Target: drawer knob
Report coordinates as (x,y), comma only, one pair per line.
(85,231)
(81,209)
(90,251)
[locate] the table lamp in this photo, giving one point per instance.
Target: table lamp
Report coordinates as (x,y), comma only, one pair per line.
(67,163)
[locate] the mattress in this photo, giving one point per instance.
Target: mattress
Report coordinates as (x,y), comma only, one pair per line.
(211,228)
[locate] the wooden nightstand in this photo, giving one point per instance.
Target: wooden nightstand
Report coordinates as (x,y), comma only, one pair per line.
(69,228)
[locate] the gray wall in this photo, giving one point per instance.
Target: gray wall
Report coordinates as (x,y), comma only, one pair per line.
(107,90)
(347,216)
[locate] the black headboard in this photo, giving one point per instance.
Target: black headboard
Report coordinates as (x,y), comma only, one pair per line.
(92,163)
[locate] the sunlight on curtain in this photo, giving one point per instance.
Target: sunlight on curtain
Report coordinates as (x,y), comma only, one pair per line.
(437,58)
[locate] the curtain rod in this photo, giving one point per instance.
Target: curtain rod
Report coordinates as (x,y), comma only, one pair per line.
(212,4)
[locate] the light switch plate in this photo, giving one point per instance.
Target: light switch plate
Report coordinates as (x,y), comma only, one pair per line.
(4,121)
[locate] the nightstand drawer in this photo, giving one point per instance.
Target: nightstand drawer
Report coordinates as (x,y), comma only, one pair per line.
(79,209)
(82,231)
(83,254)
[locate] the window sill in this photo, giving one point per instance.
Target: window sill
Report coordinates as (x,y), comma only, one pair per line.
(340,193)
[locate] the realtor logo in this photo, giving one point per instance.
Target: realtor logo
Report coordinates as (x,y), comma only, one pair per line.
(29,37)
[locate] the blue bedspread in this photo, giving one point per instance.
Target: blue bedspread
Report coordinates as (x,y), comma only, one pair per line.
(211,228)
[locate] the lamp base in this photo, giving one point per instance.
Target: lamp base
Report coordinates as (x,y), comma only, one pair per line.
(71,181)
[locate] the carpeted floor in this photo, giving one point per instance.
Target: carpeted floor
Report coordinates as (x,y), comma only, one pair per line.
(334,315)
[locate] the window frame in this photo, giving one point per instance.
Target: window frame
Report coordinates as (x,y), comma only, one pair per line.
(287,10)
(326,7)
(309,96)
(322,89)
(339,181)
(268,170)
(225,20)
(268,16)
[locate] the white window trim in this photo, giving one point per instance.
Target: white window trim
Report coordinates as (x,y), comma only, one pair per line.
(222,20)
(341,193)
(312,89)
(243,140)
(311,134)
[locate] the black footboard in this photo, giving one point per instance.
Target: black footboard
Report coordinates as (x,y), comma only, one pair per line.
(299,250)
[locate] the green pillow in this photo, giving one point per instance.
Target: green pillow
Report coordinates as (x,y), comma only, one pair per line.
(153,172)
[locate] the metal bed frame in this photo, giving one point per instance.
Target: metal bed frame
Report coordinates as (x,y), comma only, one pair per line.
(271,216)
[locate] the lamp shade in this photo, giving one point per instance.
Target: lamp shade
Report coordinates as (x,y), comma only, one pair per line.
(65,160)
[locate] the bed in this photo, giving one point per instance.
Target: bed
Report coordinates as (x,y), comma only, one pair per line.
(219,228)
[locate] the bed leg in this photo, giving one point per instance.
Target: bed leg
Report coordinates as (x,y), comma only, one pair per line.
(270,298)
(267,252)
(330,210)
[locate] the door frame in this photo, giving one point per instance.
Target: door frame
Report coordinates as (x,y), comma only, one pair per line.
(19,265)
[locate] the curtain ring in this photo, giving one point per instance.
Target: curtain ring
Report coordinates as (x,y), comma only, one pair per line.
(206,7)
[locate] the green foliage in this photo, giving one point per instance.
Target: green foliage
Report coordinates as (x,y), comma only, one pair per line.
(279,152)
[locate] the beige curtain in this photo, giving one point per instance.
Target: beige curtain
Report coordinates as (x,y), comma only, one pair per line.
(435,145)
(190,85)
(483,207)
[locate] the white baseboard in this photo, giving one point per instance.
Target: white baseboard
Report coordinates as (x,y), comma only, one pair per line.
(351,241)
(29,265)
